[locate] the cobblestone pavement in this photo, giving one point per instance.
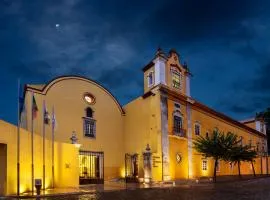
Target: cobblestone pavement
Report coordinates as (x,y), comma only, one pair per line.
(257,189)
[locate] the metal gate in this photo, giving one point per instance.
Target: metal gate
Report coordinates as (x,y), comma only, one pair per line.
(131,167)
(91,167)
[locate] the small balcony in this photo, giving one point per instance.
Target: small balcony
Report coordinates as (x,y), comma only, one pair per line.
(182,133)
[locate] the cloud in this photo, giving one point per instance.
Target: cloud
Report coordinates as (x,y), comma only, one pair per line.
(249,95)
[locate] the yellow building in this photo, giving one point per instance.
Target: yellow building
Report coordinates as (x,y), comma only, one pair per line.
(149,139)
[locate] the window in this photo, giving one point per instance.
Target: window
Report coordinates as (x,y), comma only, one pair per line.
(89,127)
(89,112)
(197,129)
(177,105)
(204,164)
(176,83)
(150,79)
(89,98)
(89,123)
(177,124)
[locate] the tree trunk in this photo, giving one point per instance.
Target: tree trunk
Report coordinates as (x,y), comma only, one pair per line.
(239,171)
(215,171)
(254,174)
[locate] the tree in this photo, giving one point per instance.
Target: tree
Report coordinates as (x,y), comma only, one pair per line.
(217,146)
(241,153)
(265,116)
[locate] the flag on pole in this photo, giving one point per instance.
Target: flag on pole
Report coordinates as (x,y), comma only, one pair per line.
(21,101)
(46,114)
(53,119)
(34,107)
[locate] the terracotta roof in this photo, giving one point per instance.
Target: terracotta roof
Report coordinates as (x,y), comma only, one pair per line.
(210,110)
(247,120)
(148,66)
(36,86)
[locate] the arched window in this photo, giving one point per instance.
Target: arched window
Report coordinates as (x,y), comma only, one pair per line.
(197,128)
(89,112)
(150,79)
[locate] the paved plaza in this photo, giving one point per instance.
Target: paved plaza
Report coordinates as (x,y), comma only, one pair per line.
(256,189)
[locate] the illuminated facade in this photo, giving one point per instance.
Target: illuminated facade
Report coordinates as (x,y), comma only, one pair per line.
(149,139)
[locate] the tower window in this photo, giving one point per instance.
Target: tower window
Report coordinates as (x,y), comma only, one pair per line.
(150,79)
(176,83)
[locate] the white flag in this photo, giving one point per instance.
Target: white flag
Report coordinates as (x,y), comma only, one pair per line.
(53,119)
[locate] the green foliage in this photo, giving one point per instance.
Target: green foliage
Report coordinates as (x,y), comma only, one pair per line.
(227,147)
(217,145)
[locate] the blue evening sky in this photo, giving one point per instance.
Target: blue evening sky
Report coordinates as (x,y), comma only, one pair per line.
(225,43)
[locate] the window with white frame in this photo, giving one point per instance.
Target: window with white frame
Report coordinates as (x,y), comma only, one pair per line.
(89,124)
(177,122)
(150,79)
(204,164)
(197,129)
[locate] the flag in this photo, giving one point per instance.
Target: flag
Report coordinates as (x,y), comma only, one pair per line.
(46,115)
(34,107)
(21,100)
(53,119)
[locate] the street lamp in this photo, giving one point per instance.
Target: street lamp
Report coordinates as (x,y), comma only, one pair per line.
(74,140)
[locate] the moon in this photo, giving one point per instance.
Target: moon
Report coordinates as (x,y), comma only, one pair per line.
(57,25)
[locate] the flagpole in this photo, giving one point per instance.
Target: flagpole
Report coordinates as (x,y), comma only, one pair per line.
(53,125)
(18,142)
(44,143)
(32,144)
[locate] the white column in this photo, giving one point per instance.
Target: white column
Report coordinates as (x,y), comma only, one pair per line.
(160,67)
(188,85)
(258,124)
(189,136)
(164,138)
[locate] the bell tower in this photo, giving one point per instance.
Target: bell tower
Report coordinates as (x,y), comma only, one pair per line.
(167,70)
(178,75)
(155,71)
